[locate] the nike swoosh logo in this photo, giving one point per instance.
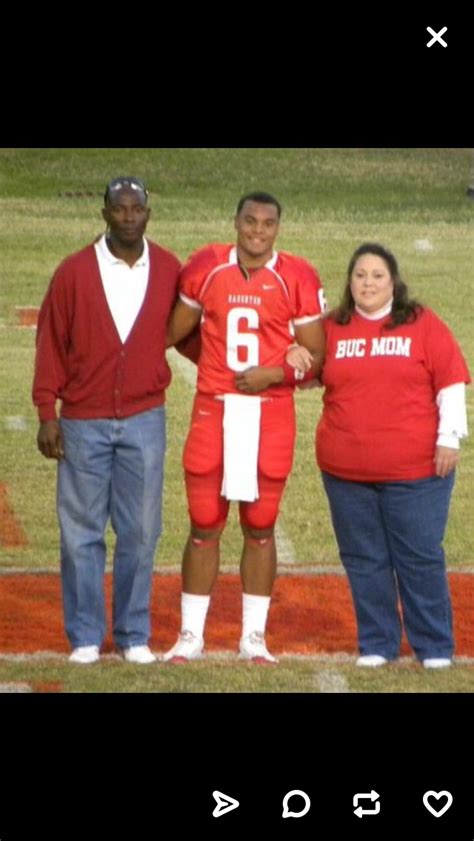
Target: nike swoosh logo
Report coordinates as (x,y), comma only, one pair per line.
(200,412)
(268,287)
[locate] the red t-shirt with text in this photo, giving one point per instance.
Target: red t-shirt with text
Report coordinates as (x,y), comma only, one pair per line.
(380,418)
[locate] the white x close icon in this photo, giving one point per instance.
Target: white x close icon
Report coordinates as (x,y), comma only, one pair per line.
(437,36)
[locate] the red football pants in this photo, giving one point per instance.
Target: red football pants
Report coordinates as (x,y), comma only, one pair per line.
(203,463)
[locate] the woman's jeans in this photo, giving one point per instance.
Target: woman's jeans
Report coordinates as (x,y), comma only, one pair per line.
(390,538)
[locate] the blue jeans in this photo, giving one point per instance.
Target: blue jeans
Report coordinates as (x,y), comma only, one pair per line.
(111,469)
(390,538)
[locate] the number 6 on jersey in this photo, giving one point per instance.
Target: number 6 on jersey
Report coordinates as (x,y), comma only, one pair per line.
(236,340)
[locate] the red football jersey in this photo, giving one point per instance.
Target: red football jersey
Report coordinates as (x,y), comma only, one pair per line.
(247,321)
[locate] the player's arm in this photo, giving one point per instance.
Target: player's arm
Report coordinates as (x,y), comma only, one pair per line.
(182,321)
(311,338)
(258,378)
(306,356)
(304,360)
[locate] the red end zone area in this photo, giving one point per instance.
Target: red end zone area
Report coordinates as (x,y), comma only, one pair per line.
(310,614)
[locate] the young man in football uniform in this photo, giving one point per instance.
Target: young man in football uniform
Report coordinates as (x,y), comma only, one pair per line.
(251,303)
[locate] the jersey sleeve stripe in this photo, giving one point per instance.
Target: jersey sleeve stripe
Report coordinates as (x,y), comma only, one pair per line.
(306,319)
(211,275)
(189,301)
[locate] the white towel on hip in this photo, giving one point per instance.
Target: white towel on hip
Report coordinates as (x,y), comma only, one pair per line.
(241,440)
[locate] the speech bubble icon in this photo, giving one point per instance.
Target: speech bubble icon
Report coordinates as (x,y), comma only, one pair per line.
(295,793)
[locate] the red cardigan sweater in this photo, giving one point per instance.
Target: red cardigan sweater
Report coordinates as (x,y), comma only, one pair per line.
(80,358)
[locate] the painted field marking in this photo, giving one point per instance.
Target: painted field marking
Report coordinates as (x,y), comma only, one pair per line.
(331,682)
(185,367)
(11,687)
(16,423)
(226,656)
(11,532)
(175,569)
(285,549)
(27,316)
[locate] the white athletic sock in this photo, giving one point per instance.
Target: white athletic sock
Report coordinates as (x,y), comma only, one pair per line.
(254,613)
(193,613)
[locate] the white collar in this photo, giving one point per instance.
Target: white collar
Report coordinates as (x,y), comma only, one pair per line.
(375,316)
(270,264)
(107,255)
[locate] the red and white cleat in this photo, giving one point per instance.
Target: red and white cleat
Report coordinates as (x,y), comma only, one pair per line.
(253,648)
(188,647)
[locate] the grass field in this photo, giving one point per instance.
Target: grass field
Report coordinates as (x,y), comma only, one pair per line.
(333,199)
(293,675)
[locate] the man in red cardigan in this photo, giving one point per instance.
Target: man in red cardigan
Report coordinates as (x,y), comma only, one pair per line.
(101,352)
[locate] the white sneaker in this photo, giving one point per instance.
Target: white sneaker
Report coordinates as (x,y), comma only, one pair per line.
(138,654)
(371,660)
(437,663)
(188,647)
(85,654)
(253,648)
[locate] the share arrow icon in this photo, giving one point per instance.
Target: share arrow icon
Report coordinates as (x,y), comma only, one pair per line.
(224,804)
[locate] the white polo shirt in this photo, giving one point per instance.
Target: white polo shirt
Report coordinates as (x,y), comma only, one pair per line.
(124,286)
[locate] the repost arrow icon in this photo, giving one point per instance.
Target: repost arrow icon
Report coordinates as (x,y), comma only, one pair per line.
(373,797)
(225,804)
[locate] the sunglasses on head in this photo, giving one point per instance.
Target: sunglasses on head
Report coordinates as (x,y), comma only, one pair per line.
(120,183)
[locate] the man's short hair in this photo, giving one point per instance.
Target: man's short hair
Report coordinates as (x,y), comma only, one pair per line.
(128,182)
(261,198)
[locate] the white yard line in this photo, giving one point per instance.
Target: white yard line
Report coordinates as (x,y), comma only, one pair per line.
(339,658)
(175,569)
(285,550)
(14,688)
(184,366)
(16,423)
(331,682)
(284,568)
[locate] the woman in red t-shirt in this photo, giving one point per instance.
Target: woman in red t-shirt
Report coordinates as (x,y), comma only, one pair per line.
(387,444)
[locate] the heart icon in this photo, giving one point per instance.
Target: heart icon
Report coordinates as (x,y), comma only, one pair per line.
(437,794)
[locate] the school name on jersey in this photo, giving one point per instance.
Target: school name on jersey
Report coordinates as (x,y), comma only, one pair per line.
(255,300)
(385,346)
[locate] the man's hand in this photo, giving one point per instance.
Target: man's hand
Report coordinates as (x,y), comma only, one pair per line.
(445,460)
(50,440)
(258,379)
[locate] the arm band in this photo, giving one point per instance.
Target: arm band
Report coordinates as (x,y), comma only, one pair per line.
(291,376)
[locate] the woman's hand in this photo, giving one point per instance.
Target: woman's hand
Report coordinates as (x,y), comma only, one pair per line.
(445,460)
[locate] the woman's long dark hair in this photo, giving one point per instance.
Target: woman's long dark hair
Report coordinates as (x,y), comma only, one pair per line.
(404,309)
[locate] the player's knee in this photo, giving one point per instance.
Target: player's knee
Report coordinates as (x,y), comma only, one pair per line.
(257,536)
(204,538)
(213,519)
